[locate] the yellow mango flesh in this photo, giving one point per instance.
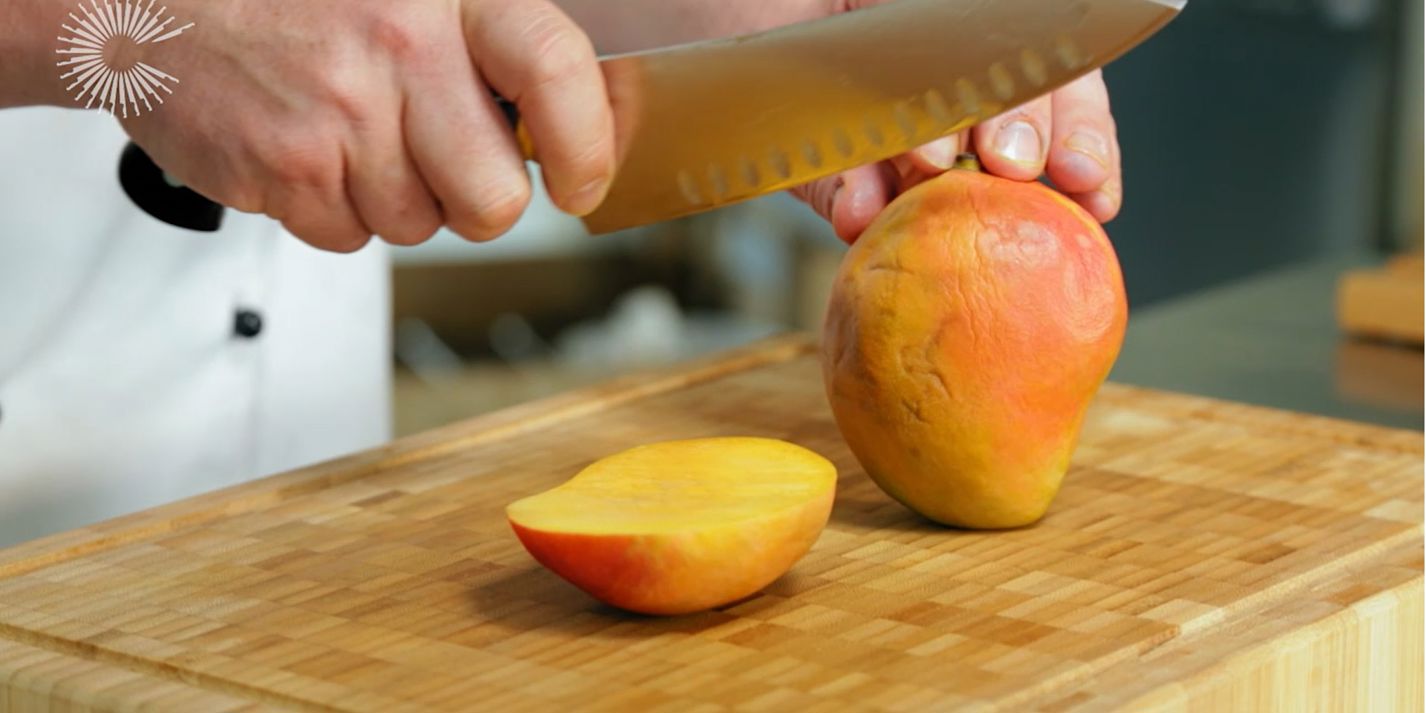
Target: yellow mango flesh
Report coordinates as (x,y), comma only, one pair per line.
(681,526)
(968,330)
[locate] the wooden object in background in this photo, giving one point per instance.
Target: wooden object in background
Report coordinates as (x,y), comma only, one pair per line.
(1384,303)
(1379,373)
(1203,555)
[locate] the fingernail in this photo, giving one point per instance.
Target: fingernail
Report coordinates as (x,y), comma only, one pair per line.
(1019,142)
(1115,197)
(939,153)
(1092,145)
(588,197)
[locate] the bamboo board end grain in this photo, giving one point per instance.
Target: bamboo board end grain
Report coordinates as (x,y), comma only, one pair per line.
(1203,555)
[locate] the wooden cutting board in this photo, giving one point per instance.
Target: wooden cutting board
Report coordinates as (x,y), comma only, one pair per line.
(1202,555)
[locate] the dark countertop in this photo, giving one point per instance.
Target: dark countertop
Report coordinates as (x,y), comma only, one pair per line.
(1272,339)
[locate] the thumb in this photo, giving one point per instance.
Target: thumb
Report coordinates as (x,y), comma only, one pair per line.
(852,199)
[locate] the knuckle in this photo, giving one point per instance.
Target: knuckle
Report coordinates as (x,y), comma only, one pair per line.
(1111,132)
(1035,112)
(348,242)
(491,212)
(411,232)
(503,208)
(593,159)
(566,178)
(471,229)
(395,30)
(826,199)
(1029,115)
(400,213)
(345,92)
(335,240)
(294,161)
(558,50)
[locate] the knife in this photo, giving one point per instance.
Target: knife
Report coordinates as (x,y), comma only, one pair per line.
(712,123)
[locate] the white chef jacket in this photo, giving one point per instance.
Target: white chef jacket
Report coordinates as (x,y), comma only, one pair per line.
(124,383)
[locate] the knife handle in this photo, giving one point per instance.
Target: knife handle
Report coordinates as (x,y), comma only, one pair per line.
(167,199)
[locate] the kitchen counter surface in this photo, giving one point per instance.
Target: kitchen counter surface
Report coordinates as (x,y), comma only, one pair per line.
(1272,340)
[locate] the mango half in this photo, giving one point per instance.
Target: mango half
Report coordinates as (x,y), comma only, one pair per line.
(681,526)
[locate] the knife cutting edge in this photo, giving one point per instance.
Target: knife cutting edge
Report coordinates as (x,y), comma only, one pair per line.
(712,123)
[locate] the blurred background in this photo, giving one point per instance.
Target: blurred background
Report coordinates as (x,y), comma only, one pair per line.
(1273,165)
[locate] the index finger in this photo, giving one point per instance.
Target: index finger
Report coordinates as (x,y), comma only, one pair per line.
(1082,144)
(534,55)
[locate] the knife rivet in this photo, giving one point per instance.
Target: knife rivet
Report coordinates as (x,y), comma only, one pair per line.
(1033,67)
(936,105)
(780,163)
(689,187)
(750,173)
(843,142)
(811,153)
(1001,82)
(968,96)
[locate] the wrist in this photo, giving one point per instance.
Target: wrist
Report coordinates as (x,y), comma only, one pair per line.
(28,39)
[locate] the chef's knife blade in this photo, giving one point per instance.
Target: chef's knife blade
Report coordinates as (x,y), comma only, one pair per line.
(719,122)
(712,123)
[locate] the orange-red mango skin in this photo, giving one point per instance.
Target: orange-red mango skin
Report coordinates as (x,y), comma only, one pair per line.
(681,573)
(968,330)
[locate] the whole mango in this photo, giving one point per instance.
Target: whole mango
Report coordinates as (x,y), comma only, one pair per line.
(968,330)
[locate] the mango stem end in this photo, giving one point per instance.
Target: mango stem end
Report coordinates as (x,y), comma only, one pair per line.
(967,162)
